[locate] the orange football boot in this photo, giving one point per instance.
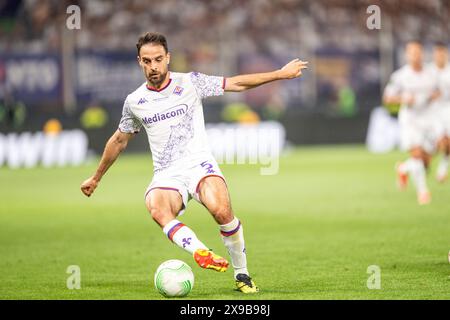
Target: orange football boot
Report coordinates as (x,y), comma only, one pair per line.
(402,178)
(209,260)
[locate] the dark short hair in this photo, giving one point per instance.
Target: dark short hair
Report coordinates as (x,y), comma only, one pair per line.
(151,37)
(440,44)
(414,40)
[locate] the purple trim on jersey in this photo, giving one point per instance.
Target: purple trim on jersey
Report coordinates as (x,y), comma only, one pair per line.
(224,83)
(160,89)
(230,233)
(127,132)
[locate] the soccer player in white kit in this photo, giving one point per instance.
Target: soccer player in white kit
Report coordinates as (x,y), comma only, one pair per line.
(415,88)
(169,107)
(441,107)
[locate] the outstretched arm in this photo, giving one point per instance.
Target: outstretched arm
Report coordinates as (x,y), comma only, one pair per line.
(247,81)
(115,145)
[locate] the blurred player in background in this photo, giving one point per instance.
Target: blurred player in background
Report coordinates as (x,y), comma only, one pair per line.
(441,68)
(169,107)
(414,87)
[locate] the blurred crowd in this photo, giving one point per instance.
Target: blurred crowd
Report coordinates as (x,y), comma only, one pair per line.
(230,36)
(249,26)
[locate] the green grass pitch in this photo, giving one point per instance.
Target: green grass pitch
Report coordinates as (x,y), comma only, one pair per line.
(311,231)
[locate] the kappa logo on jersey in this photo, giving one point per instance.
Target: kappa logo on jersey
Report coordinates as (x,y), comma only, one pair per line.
(142,100)
(172,112)
(178,90)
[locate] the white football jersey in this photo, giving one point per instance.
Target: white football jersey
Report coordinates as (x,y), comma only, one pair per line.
(172,117)
(443,78)
(407,82)
(441,107)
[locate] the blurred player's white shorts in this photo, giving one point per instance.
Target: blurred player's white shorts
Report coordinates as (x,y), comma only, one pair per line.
(443,120)
(418,129)
(185,179)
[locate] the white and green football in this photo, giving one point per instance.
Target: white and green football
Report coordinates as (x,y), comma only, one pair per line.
(174,278)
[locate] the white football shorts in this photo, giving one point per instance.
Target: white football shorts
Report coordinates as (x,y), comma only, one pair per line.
(443,116)
(185,179)
(418,130)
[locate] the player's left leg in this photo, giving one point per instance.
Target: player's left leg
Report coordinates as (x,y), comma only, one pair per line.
(416,167)
(213,194)
(424,195)
(442,170)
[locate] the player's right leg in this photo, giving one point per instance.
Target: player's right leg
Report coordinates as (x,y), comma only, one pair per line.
(164,204)
(416,167)
(413,137)
(442,170)
(402,169)
(409,138)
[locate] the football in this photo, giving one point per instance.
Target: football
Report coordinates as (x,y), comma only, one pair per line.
(174,278)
